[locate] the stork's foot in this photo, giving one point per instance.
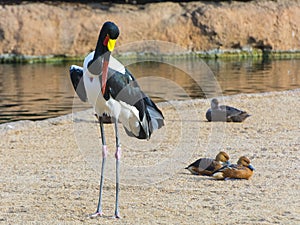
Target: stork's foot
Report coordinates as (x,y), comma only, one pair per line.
(117,215)
(95,215)
(100,214)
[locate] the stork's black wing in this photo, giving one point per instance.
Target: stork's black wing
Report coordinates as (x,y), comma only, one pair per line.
(76,74)
(123,87)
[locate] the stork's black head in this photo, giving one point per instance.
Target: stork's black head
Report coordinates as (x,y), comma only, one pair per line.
(105,45)
(110,29)
(107,39)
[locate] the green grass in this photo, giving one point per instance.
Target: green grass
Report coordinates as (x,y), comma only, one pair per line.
(255,54)
(214,54)
(39,59)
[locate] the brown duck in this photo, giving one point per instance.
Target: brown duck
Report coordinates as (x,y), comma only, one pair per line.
(242,170)
(207,166)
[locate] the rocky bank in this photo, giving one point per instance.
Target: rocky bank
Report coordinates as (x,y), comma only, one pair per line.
(72,28)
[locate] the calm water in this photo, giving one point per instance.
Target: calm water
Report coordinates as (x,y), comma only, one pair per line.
(39,91)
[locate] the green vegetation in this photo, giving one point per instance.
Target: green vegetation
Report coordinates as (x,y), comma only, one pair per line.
(215,54)
(255,54)
(39,59)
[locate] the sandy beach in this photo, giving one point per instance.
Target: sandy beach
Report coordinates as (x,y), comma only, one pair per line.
(50,169)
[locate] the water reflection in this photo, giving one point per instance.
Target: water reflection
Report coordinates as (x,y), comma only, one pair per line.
(158,89)
(252,76)
(33,91)
(38,91)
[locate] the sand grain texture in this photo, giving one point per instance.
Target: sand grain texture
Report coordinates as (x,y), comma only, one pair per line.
(48,173)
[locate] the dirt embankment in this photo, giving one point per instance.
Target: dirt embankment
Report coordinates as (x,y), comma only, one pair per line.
(72,28)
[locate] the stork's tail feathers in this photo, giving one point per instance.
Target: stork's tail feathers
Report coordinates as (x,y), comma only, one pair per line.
(157,119)
(154,116)
(153,120)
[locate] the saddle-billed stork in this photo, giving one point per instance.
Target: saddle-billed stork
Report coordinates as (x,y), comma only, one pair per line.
(113,92)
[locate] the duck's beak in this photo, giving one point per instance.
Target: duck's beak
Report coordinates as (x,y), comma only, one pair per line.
(251,167)
(227,162)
